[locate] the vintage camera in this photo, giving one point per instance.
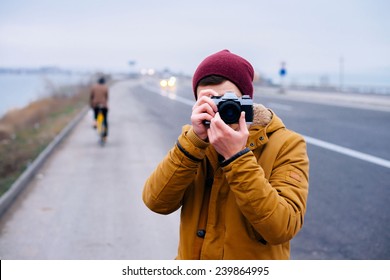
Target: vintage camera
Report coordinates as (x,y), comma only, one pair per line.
(230,107)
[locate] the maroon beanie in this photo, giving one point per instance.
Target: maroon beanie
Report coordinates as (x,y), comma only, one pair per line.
(228,65)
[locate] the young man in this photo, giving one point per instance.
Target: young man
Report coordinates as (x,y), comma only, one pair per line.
(99,101)
(242,188)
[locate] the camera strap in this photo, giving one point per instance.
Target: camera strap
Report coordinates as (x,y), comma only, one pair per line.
(202,223)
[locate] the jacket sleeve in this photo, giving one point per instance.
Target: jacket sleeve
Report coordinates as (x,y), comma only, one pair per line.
(275,207)
(164,189)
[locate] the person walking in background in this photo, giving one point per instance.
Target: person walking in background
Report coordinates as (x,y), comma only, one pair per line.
(242,188)
(99,101)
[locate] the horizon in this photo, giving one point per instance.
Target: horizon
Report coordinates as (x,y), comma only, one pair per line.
(310,79)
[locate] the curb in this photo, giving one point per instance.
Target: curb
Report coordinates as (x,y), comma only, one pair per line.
(20,184)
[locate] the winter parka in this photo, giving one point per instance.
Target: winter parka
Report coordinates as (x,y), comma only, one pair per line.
(99,96)
(248,207)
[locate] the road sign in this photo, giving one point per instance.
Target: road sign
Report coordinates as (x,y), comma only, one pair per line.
(283,71)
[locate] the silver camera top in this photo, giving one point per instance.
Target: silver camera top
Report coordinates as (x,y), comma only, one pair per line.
(230,107)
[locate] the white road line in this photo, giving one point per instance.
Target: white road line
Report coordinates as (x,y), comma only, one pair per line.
(310,140)
(347,151)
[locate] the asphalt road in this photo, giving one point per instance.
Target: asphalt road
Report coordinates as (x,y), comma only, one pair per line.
(85,203)
(348,214)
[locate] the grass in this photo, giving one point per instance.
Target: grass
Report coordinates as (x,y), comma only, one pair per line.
(24,133)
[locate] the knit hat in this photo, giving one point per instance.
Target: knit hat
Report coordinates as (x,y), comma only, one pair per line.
(228,65)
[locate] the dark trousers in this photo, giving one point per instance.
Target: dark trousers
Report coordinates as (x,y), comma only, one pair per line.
(105,112)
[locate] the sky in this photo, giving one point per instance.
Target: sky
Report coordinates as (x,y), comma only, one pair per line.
(318,40)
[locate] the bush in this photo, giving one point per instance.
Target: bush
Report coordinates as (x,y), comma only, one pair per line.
(25,132)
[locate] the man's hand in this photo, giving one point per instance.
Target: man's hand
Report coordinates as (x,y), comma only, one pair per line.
(203,110)
(227,141)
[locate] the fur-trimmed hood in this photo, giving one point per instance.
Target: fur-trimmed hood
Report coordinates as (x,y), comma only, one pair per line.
(265,122)
(261,115)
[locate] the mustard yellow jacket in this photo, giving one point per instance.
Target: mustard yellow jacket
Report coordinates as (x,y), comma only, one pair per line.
(256,204)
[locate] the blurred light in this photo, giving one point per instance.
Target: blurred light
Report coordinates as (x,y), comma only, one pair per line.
(163,83)
(149,71)
(172,81)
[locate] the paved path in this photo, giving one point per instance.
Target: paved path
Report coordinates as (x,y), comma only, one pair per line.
(85,203)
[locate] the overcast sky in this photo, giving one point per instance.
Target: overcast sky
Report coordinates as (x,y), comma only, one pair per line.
(311,36)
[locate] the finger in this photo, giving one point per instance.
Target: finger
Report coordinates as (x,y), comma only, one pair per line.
(217,120)
(242,121)
(207,106)
(213,124)
(219,125)
(243,128)
(200,118)
(205,97)
(204,108)
(207,93)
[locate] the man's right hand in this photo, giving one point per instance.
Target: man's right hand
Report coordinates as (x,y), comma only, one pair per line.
(203,110)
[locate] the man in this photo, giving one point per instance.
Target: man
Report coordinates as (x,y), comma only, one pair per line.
(242,188)
(99,101)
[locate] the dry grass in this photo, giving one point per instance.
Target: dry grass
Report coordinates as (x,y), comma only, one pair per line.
(24,133)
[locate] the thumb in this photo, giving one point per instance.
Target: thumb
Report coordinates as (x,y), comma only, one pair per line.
(242,121)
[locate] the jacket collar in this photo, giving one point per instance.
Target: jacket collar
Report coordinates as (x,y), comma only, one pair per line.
(265,122)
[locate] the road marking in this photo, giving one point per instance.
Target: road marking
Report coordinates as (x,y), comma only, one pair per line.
(347,151)
(175,97)
(313,141)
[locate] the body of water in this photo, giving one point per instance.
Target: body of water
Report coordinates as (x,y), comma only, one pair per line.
(18,90)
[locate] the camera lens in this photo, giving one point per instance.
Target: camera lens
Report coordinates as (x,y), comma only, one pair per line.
(229,111)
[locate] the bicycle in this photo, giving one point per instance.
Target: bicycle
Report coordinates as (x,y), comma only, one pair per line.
(101,127)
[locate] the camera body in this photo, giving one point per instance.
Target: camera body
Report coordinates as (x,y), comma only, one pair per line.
(230,107)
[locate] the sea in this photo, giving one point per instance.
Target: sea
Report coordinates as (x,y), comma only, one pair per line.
(18,90)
